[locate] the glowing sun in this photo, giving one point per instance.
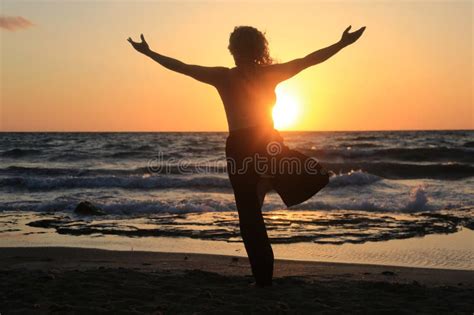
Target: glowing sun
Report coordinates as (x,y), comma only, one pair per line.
(286,110)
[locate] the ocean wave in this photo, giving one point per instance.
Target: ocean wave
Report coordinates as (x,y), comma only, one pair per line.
(122,146)
(128,154)
(146,147)
(363,138)
(412,200)
(387,170)
(359,145)
(400,154)
(127,182)
(127,207)
(51,171)
(75,156)
(353,178)
(146,181)
(17,153)
(163,169)
(393,170)
(415,200)
(152,206)
(71,157)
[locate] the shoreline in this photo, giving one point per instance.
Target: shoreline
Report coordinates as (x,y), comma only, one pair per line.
(437,251)
(80,280)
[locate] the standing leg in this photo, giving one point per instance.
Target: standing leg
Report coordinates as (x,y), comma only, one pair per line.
(254,233)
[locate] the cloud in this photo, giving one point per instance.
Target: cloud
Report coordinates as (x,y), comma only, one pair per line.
(14,23)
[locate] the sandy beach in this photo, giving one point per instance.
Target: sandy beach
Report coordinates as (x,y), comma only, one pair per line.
(77,280)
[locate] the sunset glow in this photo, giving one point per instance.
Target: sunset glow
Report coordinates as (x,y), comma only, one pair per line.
(71,68)
(286,111)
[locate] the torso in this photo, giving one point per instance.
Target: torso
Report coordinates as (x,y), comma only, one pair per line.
(248,96)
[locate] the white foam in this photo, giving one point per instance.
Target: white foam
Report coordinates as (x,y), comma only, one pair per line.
(418,199)
(357,178)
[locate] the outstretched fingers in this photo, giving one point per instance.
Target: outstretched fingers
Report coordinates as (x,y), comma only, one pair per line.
(130,40)
(361,30)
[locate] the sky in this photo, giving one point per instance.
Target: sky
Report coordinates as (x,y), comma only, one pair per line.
(66,65)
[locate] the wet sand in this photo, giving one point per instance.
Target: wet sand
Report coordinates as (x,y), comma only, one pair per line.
(79,280)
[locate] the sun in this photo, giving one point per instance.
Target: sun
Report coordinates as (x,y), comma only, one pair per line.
(286,110)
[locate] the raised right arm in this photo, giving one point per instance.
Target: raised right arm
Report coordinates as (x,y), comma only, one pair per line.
(283,71)
(209,75)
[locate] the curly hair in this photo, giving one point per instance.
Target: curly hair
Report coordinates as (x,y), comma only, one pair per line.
(248,44)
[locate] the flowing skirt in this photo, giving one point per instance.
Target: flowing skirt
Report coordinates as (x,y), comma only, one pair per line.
(255,153)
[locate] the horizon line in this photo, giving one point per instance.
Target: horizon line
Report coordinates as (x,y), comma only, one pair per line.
(211,131)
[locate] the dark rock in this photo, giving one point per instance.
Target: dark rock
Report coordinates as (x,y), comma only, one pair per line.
(87,208)
(469,225)
(47,223)
(389,273)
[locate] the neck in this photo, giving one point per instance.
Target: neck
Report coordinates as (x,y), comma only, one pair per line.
(245,64)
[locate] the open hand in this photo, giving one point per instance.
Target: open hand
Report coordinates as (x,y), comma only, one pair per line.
(350,38)
(140,46)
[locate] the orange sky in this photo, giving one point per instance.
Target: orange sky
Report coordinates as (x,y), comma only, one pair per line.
(74,71)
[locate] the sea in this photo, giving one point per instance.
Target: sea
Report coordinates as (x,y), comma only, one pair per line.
(384,186)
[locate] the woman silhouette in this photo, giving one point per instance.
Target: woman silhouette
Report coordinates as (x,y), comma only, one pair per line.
(257,159)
